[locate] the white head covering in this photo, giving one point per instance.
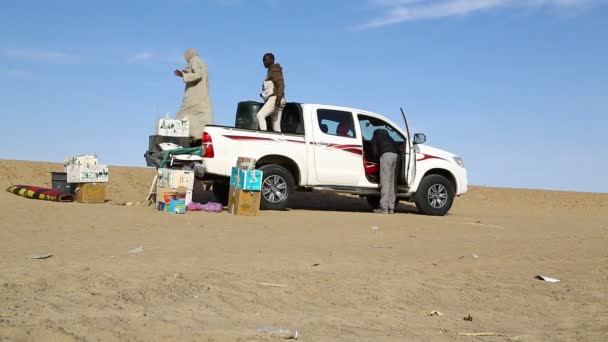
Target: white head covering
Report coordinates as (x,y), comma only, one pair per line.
(189,53)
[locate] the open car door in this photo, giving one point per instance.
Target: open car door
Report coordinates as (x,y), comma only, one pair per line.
(409,160)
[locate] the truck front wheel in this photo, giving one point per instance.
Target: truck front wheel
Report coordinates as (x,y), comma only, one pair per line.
(278,187)
(435,195)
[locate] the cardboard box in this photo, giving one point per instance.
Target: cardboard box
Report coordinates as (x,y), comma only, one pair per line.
(246,163)
(250,180)
(169,178)
(243,202)
(87,173)
(176,206)
(173,128)
(165,195)
(89,159)
(91,193)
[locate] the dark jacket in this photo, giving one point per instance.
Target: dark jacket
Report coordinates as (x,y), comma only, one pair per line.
(382,143)
(275,74)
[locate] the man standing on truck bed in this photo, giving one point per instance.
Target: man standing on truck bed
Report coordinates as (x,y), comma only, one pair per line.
(196,106)
(383,147)
(273,93)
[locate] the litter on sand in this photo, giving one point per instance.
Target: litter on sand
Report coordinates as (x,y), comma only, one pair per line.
(476,224)
(435,313)
(137,250)
(551,280)
(209,207)
(41,256)
(375,228)
(481,334)
(380,247)
(284,333)
(468,318)
(265,284)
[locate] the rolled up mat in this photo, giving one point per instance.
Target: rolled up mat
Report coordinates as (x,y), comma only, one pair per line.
(36,192)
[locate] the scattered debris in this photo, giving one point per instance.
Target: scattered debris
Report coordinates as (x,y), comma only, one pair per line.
(137,250)
(178,275)
(265,284)
(375,228)
(551,280)
(476,224)
(481,334)
(435,265)
(42,256)
(435,313)
(462,257)
(413,236)
(315,265)
(475,256)
(127,204)
(380,247)
(468,318)
(287,334)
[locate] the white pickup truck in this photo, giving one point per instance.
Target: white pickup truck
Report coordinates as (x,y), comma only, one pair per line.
(326,148)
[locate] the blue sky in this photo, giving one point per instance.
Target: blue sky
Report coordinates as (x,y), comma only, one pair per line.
(518,88)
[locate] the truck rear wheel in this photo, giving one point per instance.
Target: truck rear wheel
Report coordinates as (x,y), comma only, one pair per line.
(435,195)
(278,187)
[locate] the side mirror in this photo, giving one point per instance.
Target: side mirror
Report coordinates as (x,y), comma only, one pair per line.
(419,139)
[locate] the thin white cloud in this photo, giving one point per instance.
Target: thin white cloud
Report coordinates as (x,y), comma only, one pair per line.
(141,57)
(39,55)
(396,11)
(18,74)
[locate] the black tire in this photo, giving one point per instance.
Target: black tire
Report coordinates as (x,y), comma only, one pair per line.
(374,201)
(221,192)
(435,195)
(278,187)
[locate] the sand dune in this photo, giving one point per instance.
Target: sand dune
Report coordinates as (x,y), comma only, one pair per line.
(197,276)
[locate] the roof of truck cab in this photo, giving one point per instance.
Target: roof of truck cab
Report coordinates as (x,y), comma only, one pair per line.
(350,109)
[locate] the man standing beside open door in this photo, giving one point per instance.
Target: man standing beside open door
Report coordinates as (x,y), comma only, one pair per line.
(383,146)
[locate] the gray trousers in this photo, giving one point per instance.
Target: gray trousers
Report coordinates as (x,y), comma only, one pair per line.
(388,185)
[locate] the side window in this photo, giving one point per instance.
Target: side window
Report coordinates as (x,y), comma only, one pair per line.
(369,125)
(336,122)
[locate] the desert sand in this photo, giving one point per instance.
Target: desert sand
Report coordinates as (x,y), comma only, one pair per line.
(198,276)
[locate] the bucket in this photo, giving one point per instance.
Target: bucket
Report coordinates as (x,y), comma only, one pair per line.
(246,115)
(59,181)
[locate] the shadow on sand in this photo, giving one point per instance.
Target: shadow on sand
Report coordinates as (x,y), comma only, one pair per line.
(320,201)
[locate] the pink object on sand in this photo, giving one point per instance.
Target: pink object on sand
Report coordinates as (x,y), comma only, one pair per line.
(209,207)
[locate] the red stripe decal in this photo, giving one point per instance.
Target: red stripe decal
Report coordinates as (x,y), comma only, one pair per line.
(428,156)
(239,137)
(353,150)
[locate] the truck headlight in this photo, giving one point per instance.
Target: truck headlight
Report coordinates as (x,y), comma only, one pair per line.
(459,161)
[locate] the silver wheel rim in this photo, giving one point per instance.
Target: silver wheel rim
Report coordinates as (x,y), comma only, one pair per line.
(274,189)
(437,196)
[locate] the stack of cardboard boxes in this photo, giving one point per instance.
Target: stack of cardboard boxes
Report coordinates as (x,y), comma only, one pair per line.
(174,190)
(174,186)
(245,188)
(88,177)
(172,131)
